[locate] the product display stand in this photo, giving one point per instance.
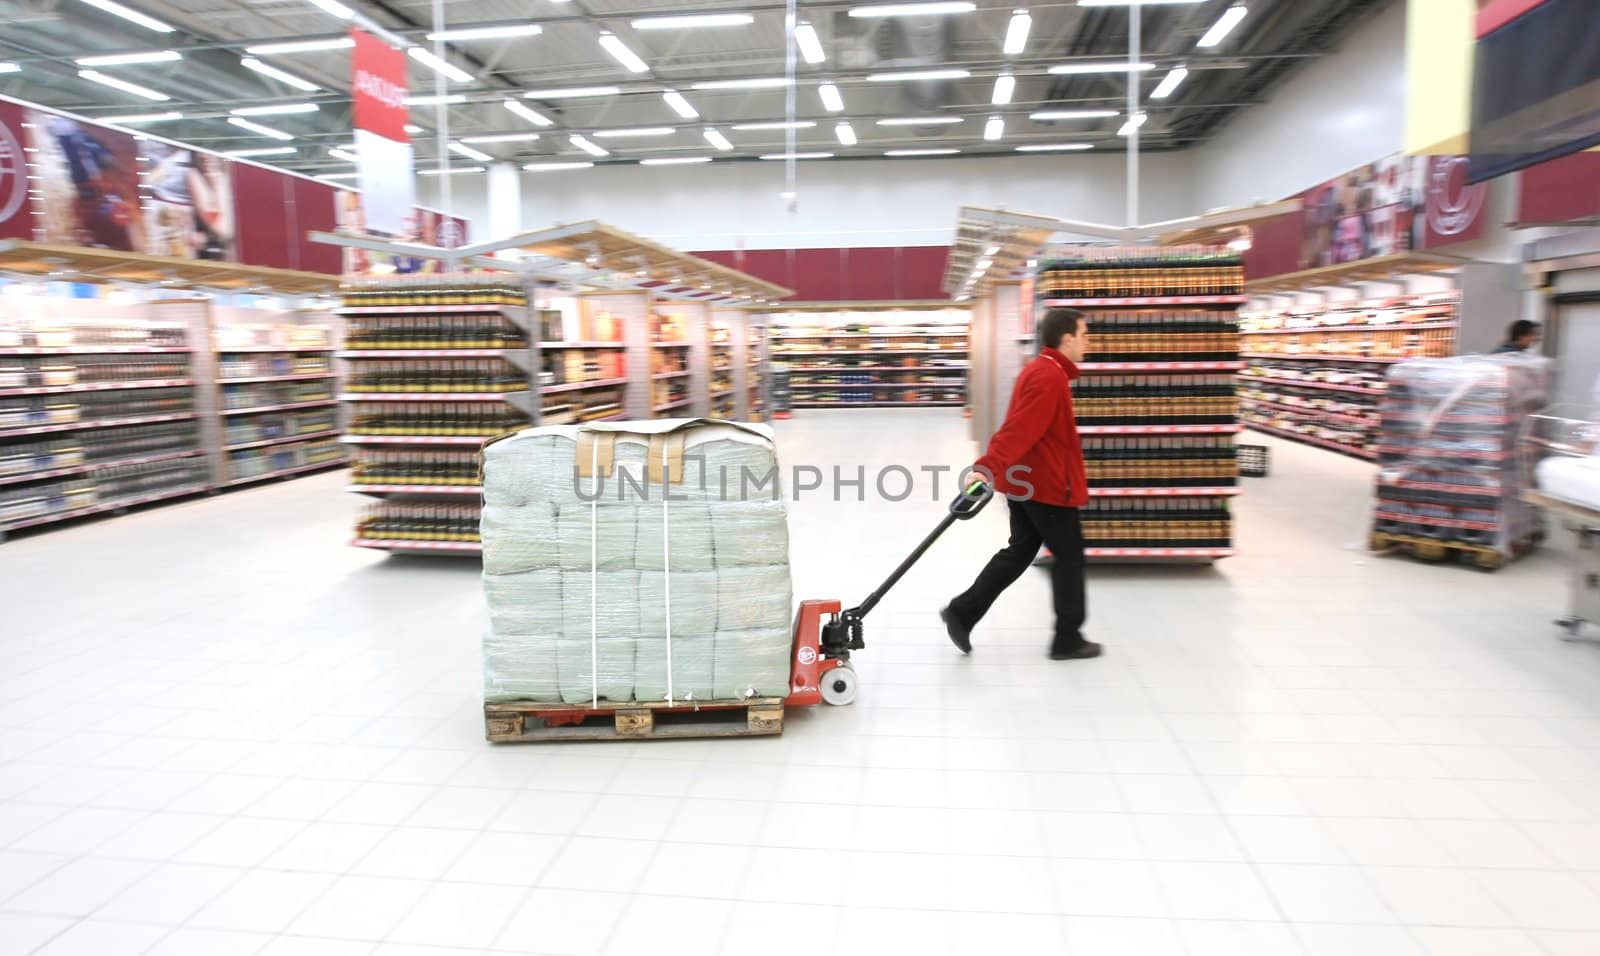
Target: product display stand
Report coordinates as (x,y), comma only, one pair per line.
(873,357)
(1155,403)
(583,364)
(275,415)
(1317,362)
(99,410)
(750,368)
(723,401)
(678,384)
(436,366)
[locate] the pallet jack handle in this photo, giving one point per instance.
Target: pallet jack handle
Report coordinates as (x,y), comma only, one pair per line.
(843,634)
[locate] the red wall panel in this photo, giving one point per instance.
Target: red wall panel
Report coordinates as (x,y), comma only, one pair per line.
(871,273)
(16,209)
(1562,190)
(315,210)
(819,274)
(263,201)
(922,272)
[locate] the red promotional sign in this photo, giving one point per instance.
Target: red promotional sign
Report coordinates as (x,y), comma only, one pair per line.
(379,84)
(16,212)
(1452,209)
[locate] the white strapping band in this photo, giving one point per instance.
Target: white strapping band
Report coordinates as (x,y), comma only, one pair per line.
(666,557)
(594,576)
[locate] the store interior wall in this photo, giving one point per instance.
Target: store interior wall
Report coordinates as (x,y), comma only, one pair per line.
(905,202)
(1331,115)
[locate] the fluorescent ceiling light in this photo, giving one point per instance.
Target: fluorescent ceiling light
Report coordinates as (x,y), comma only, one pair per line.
(797,124)
(132,16)
(920,121)
(1004,85)
(674,160)
(1128,3)
(413,128)
(911,75)
(1098,66)
(133,119)
(1017,33)
(694,22)
(443,67)
(1169,83)
(619,51)
(1054,147)
(471,153)
(282,109)
(128,59)
(531,115)
(329,176)
(263,151)
(1048,115)
(921,152)
(831,100)
(680,105)
(758,83)
(805,37)
(715,138)
(501,138)
(489,33)
(555,167)
(636,131)
(994,129)
(10,68)
(573,93)
(334,8)
(1219,31)
(95,76)
(783,156)
(587,146)
(912,9)
(846,134)
(1134,122)
(343,155)
(260,130)
(300,46)
(267,69)
(442,99)
(452,171)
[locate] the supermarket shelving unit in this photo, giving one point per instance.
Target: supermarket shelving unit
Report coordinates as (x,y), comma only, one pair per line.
(409,435)
(723,400)
(873,355)
(1157,427)
(1318,345)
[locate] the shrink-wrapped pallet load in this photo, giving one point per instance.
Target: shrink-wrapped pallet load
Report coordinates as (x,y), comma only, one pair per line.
(635,561)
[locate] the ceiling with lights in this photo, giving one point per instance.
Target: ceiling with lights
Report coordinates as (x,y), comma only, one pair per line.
(557,85)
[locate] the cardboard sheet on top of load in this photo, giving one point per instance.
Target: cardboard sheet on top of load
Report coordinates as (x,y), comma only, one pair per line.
(602,587)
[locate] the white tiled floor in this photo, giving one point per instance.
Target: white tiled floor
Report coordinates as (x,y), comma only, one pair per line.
(222,731)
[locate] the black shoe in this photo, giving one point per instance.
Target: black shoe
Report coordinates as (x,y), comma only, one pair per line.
(1082,652)
(960,634)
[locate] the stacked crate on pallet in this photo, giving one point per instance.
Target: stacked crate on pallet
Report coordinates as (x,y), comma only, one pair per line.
(1453,465)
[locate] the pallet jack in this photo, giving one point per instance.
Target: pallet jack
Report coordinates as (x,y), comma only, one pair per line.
(821,670)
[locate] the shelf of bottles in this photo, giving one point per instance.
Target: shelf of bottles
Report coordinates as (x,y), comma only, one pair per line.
(724,403)
(435,366)
(871,360)
(670,374)
(1155,402)
(95,415)
(755,400)
(1316,373)
(276,408)
(581,377)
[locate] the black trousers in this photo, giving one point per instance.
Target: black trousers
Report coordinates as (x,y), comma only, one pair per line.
(1033,524)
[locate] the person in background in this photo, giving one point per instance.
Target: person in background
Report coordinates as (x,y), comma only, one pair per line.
(1522,336)
(1036,461)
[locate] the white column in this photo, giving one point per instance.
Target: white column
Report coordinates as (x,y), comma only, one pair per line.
(505,202)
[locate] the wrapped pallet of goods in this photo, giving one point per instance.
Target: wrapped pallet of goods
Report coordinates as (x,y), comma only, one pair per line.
(1453,465)
(634,566)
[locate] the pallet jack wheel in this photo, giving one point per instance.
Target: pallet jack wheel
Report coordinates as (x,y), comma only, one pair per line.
(840,685)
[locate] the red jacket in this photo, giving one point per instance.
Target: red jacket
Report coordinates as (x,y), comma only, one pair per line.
(1040,435)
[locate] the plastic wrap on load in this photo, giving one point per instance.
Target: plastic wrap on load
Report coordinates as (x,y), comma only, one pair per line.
(684,544)
(1452,463)
(602,536)
(1570,436)
(525,534)
(595,580)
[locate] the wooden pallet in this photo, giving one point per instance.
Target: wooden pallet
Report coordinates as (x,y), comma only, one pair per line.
(530,721)
(1432,549)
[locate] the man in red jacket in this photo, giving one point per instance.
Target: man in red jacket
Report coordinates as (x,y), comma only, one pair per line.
(1036,461)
